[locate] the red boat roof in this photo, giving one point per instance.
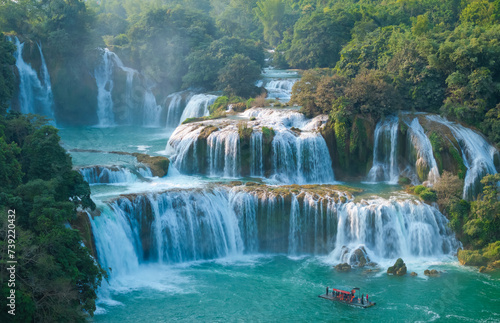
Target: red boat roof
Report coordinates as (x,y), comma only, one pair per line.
(341,291)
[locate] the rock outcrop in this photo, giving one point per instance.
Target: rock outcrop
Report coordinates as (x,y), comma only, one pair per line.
(399,268)
(345,267)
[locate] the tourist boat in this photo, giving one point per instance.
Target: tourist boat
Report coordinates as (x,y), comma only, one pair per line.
(353,297)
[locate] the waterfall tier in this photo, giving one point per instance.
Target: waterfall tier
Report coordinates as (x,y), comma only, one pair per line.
(477,153)
(114,174)
(385,164)
(197,106)
(184,225)
(264,147)
(403,148)
(35,90)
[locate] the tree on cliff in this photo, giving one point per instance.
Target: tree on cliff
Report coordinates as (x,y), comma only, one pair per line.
(239,76)
(56,277)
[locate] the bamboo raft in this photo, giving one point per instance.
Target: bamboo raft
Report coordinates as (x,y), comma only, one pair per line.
(345,297)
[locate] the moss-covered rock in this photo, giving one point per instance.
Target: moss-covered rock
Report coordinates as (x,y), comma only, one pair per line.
(82,224)
(345,267)
(399,268)
(432,272)
(158,164)
(488,257)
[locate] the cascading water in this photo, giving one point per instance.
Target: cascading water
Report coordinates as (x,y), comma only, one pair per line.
(392,228)
(151,110)
(277,117)
(223,153)
(104,80)
(184,225)
(301,159)
(103,76)
(35,93)
(174,109)
(478,155)
(257,162)
(198,106)
(280,89)
(385,162)
(113,174)
(423,147)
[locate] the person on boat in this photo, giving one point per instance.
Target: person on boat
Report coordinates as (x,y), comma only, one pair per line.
(327,291)
(362,299)
(367,298)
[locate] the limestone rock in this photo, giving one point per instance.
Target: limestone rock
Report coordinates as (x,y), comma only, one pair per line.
(399,268)
(345,267)
(157,164)
(432,272)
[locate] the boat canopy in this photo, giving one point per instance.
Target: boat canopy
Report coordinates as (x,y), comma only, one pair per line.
(341,291)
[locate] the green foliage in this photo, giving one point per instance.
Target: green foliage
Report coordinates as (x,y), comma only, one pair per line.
(419,189)
(244,131)
(318,39)
(162,37)
(239,76)
(268,134)
(491,124)
(428,195)
(437,149)
(270,13)
(10,167)
(57,278)
(206,64)
(220,103)
(6,76)
(484,220)
(467,57)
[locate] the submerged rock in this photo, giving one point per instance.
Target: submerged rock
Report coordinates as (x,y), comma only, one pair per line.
(157,164)
(432,272)
(357,258)
(345,267)
(399,268)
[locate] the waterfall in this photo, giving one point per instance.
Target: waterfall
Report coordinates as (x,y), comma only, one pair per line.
(35,93)
(198,106)
(104,79)
(113,174)
(385,163)
(223,153)
(280,89)
(257,163)
(174,110)
(425,157)
(184,225)
(389,229)
(115,238)
(299,159)
(103,76)
(478,155)
(278,117)
(151,110)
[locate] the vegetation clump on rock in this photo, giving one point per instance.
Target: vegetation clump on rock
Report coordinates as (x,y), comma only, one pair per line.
(399,268)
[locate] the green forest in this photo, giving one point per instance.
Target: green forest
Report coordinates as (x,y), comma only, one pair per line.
(360,61)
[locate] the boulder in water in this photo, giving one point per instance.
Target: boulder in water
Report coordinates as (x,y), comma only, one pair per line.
(413,273)
(157,164)
(345,267)
(432,272)
(399,268)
